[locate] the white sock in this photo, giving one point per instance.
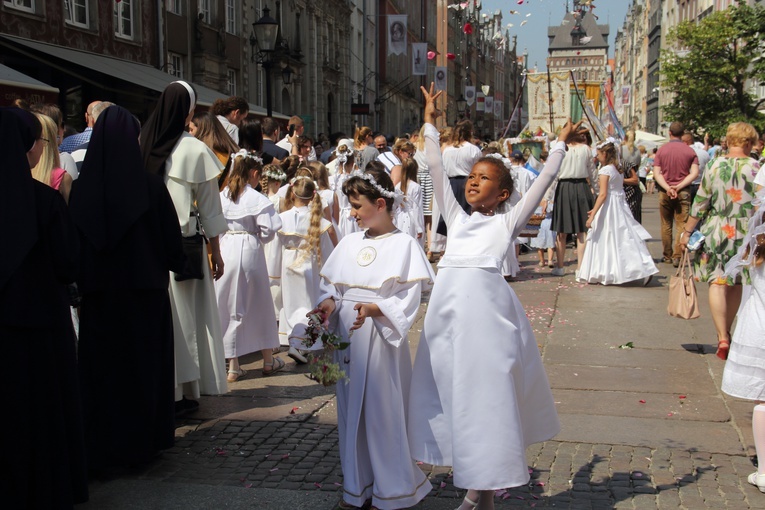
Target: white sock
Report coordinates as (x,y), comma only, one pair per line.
(758,431)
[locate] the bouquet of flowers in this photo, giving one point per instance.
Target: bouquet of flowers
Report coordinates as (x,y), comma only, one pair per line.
(526,134)
(323,369)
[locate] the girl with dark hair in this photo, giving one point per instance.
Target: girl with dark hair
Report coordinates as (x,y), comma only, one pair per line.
(46,444)
(130,242)
(244,299)
(190,171)
(205,127)
(251,138)
(372,284)
(616,251)
(480,420)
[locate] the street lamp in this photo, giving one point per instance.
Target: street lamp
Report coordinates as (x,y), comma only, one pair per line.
(287,73)
(265,32)
(461,104)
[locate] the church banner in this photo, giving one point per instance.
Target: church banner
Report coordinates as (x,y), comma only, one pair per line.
(498,109)
(539,100)
(469,95)
(440,80)
(419,59)
(488,105)
(397,34)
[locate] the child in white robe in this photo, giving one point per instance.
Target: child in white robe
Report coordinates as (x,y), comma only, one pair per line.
(244,301)
(372,285)
(408,216)
(302,245)
(272,180)
(345,163)
(479,415)
(615,251)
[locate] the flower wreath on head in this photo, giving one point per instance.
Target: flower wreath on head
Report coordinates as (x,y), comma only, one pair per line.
(277,175)
(609,140)
(244,153)
(396,195)
(342,156)
(508,164)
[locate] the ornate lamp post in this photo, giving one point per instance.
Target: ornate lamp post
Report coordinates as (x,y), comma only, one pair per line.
(265,31)
(461,105)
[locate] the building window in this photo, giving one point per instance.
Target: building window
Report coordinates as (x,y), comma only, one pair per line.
(76,13)
(231,85)
(174,6)
(123,19)
(204,10)
(22,5)
(175,65)
(231,17)
(568,62)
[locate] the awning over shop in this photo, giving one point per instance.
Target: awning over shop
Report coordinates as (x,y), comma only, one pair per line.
(14,84)
(131,72)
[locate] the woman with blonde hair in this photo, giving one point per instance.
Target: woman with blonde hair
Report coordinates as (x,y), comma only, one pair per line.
(724,203)
(402,150)
(48,170)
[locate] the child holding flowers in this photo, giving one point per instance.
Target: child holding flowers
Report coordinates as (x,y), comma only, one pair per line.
(372,285)
(479,415)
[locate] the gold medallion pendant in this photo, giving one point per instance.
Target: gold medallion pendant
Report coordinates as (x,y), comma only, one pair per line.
(366,256)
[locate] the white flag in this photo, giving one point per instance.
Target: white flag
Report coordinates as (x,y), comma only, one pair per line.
(488,105)
(498,109)
(397,34)
(419,59)
(440,78)
(470,95)
(479,98)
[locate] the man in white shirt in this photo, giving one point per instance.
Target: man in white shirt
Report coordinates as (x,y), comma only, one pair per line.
(704,158)
(298,125)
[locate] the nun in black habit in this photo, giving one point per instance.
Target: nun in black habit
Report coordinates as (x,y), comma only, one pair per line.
(130,241)
(42,444)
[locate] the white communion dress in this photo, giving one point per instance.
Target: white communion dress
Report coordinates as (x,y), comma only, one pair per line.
(244,300)
(408,216)
(615,251)
(299,273)
(390,270)
(345,224)
(479,393)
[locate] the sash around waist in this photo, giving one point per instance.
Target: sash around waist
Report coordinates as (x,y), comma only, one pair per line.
(480,261)
(583,179)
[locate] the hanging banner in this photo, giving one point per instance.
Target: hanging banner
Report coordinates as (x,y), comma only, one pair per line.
(479,102)
(626,95)
(539,100)
(419,59)
(488,105)
(498,109)
(440,78)
(397,34)
(470,95)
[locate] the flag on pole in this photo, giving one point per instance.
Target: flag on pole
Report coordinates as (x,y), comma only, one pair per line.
(440,80)
(488,105)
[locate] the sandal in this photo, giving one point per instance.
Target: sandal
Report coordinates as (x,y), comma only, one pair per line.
(235,375)
(723,346)
(470,502)
(276,365)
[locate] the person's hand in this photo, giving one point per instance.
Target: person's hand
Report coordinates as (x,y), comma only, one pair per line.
(217,264)
(672,192)
(683,241)
(570,131)
(362,312)
(419,235)
(293,139)
(326,307)
(706,138)
(430,96)
(590,213)
(588,223)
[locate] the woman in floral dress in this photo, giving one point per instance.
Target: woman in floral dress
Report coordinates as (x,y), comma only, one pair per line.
(724,204)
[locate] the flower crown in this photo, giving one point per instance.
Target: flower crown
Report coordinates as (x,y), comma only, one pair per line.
(609,140)
(243,153)
(396,195)
(276,174)
(508,164)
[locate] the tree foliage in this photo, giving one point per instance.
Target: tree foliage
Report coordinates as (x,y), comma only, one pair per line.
(709,66)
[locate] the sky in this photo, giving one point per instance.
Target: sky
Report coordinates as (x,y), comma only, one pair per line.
(544,13)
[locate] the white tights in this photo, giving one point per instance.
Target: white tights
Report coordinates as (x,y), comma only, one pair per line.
(758,430)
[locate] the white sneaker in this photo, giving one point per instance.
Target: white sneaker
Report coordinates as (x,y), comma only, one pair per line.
(757,480)
(297,355)
(558,271)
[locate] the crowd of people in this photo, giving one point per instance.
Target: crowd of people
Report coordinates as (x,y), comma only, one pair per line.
(148,258)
